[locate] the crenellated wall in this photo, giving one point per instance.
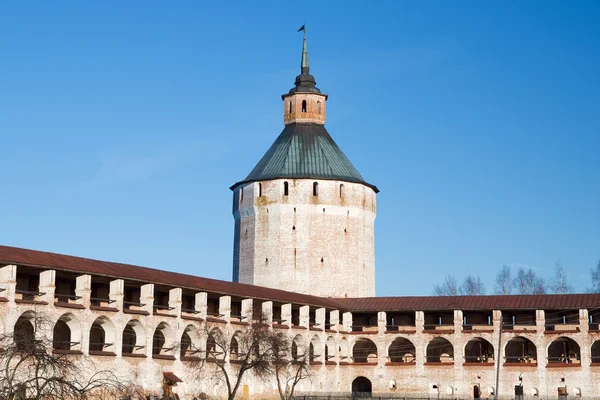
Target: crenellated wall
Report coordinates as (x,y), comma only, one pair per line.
(320,244)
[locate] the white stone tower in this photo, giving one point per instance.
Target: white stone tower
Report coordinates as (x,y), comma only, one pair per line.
(304,216)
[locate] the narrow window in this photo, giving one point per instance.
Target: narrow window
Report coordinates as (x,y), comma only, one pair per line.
(319,107)
(242,194)
(303,105)
(260,190)
(342,190)
(315,189)
(290,107)
(286,190)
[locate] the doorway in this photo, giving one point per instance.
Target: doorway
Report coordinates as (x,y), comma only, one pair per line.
(361,387)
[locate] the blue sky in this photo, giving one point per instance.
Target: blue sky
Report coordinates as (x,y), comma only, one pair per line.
(122,125)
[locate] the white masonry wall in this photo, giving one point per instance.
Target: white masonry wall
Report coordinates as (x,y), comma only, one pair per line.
(321,245)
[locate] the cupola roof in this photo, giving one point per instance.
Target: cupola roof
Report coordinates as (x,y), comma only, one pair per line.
(305,151)
(305,82)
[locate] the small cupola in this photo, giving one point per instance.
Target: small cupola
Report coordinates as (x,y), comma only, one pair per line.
(304,102)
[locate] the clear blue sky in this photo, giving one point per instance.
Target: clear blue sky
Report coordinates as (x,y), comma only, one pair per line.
(123,124)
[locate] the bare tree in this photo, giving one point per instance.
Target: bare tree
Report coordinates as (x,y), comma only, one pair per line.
(292,365)
(560,284)
(527,282)
(503,281)
(472,286)
(595,275)
(30,369)
(231,358)
(447,288)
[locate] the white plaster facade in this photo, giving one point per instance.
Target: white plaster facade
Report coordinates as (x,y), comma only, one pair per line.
(412,370)
(297,242)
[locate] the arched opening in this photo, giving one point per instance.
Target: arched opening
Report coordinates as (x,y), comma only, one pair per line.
(24,332)
(479,350)
(330,349)
(342,190)
(133,338)
(286,188)
(189,342)
(102,336)
(402,350)
(234,346)
(314,351)
(315,188)
(319,107)
(439,350)
(161,339)
(303,106)
(214,344)
(61,336)
(298,349)
(364,350)
(520,350)
(361,387)
(595,353)
(564,350)
(260,190)
(344,349)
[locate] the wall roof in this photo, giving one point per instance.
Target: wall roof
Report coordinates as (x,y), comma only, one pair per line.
(19,256)
(510,302)
(61,262)
(304,151)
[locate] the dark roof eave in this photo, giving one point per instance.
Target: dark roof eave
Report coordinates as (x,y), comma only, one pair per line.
(272,178)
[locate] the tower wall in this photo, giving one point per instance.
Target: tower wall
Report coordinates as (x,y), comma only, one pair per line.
(322,245)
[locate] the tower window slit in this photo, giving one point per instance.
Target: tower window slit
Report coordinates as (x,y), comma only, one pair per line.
(290,107)
(315,189)
(286,190)
(260,190)
(303,106)
(342,190)
(319,107)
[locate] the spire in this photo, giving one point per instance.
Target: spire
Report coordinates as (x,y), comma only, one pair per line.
(304,69)
(305,82)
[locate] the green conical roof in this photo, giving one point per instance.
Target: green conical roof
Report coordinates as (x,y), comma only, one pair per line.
(304,151)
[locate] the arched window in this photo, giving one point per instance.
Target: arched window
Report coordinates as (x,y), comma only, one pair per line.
(102,335)
(134,338)
(364,351)
(342,190)
(260,190)
(479,350)
(24,332)
(402,351)
(564,351)
(161,339)
(61,337)
(303,106)
(314,349)
(286,188)
(439,350)
(330,348)
(290,105)
(520,350)
(315,188)
(319,107)
(234,348)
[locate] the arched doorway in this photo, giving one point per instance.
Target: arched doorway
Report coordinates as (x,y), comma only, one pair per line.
(361,387)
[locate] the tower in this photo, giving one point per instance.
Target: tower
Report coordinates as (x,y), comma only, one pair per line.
(304,216)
